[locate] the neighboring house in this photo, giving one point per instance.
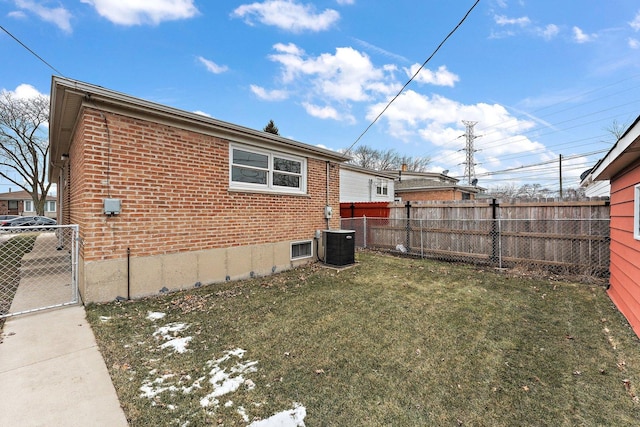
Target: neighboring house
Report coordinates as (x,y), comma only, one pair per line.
(594,188)
(621,166)
(365,192)
(430,186)
(169,199)
(21,203)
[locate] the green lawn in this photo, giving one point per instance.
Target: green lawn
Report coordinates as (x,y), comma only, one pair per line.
(390,342)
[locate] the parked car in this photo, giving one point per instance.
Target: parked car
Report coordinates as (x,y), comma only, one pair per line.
(6,217)
(28,221)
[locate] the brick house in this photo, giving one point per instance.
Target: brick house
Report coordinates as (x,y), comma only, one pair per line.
(21,203)
(621,166)
(430,186)
(166,198)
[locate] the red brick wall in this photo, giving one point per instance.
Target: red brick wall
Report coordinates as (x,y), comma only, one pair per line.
(428,195)
(175,195)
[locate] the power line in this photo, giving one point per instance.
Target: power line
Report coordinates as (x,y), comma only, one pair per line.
(31,51)
(412,77)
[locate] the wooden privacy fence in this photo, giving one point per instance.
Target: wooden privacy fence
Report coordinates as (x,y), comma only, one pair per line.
(563,237)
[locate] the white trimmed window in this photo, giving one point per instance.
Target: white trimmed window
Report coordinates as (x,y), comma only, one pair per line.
(28,206)
(301,250)
(636,212)
(382,187)
(50,206)
(254,169)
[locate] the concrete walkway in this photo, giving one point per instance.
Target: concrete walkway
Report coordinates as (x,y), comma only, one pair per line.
(51,371)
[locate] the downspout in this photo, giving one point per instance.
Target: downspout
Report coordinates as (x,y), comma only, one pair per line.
(128,273)
(326,217)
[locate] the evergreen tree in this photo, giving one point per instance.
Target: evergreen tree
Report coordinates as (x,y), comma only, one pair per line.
(271,128)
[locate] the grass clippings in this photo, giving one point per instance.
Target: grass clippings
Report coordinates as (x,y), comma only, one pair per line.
(392,341)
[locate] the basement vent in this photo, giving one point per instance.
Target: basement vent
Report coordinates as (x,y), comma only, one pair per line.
(301,250)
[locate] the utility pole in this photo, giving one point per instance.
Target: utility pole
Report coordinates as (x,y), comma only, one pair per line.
(560,170)
(469,164)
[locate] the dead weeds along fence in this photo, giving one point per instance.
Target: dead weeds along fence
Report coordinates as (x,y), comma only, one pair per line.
(576,246)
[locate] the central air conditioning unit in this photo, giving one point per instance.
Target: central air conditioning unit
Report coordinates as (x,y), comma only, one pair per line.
(339,247)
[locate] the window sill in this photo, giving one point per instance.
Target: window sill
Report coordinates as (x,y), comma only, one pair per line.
(267,192)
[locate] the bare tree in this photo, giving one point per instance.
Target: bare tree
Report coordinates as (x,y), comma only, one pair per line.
(389,159)
(24,146)
(616,129)
(415,164)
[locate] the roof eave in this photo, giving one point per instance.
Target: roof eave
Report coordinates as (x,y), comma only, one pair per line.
(69,96)
(624,153)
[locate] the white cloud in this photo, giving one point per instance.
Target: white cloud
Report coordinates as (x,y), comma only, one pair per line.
(634,43)
(345,2)
(212,66)
(515,26)
(348,75)
(441,77)
(503,20)
(580,36)
(17,14)
(138,12)
(381,51)
(287,15)
(269,95)
(635,24)
(548,32)
(437,120)
(327,112)
(25,91)
(59,16)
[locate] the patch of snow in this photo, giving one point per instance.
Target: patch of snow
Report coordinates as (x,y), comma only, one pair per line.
(291,418)
(169,332)
(105,318)
(179,345)
(228,404)
(154,315)
(243,413)
(226,382)
(164,331)
(196,384)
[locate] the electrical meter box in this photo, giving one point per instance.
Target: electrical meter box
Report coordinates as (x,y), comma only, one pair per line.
(112,206)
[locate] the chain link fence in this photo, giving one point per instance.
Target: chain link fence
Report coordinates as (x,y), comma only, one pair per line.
(37,268)
(561,246)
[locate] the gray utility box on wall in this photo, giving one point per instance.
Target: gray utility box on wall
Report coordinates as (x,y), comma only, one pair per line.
(339,247)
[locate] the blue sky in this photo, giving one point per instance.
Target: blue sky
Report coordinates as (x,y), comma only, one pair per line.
(542,78)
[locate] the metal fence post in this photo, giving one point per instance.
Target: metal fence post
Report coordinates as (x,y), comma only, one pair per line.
(364,229)
(421,239)
(408,239)
(495,234)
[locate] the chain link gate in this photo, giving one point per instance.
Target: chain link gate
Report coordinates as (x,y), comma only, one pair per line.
(38,268)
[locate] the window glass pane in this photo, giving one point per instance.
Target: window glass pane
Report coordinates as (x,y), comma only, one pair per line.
(299,250)
(28,206)
(241,157)
(282,180)
(252,176)
(286,165)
